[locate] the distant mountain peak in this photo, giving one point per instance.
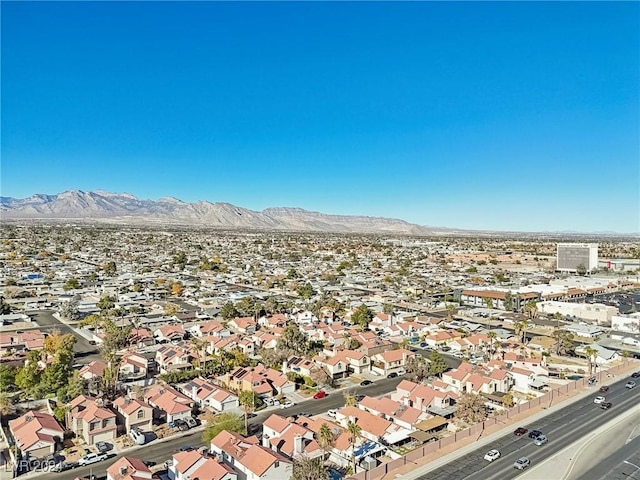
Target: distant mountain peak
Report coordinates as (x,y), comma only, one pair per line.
(126,208)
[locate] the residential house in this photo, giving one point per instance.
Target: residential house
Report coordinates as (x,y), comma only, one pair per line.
(172,357)
(206,394)
(193,464)
(133,366)
(133,413)
(391,361)
(168,403)
(93,370)
(36,434)
(90,420)
(129,468)
(249,459)
(246,325)
(169,333)
(263,381)
(289,439)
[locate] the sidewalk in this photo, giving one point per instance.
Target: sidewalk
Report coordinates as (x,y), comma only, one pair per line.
(449,453)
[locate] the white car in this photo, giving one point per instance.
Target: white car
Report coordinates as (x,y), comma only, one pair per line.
(287,404)
(630,384)
(598,399)
(332,413)
(492,455)
(92,458)
(522,463)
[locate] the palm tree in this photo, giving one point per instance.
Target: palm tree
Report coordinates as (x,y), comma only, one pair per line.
(492,336)
(349,399)
(591,353)
(199,345)
(354,431)
(531,309)
(6,407)
(247,399)
(325,438)
(521,329)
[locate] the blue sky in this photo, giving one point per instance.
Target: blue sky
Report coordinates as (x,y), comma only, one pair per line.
(505,116)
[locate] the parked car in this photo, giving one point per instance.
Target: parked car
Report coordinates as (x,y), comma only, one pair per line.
(92,458)
(604,389)
(320,394)
(535,433)
(392,375)
(423,345)
(186,448)
(64,466)
(541,440)
(364,383)
(181,425)
(606,405)
(359,397)
(191,422)
(458,355)
(332,413)
(305,414)
(287,404)
(630,384)
(104,447)
(492,455)
(137,436)
(592,380)
(598,399)
(520,431)
(521,463)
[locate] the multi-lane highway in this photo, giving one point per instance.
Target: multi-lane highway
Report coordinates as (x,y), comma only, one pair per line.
(624,464)
(562,427)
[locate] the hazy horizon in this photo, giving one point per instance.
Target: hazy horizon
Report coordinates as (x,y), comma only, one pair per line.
(506,116)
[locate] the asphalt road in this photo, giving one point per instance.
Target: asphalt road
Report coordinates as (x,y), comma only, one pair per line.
(83,351)
(160,452)
(624,464)
(562,427)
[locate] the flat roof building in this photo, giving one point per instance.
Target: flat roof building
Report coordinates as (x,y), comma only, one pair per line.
(570,256)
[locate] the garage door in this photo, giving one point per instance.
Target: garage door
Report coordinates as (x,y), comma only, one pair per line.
(103,437)
(144,426)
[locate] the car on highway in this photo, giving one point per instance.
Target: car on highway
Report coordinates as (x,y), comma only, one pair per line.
(606,405)
(535,433)
(635,375)
(492,455)
(320,394)
(522,463)
(541,440)
(604,389)
(92,458)
(598,399)
(520,431)
(630,384)
(287,404)
(364,383)
(392,375)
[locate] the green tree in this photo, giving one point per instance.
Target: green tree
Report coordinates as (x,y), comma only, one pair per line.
(354,430)
(531,309)
(563,342)
(69,309)
(7,378)
(471,408)
(508,301)
(106,303)
(5,308)
(349,399)
(591,354)
(488,302)
(437,365)
(521,329)
(220,422)
(362,316)
(110,268)
(305,291)
(6,405)
(292,338)
(581,269)
(417,368)
(325,438)
(387,309)
(249,403)
(306,468)
(71,284)
(28,377)
(228,311)
(492,337)
(507,400)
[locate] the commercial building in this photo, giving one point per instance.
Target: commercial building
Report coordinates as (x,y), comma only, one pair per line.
(570,256)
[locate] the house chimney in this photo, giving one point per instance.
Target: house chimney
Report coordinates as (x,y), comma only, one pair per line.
(194,393)
(298,445)
(123,470)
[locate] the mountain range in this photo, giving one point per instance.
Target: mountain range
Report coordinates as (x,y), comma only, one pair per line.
(126,208)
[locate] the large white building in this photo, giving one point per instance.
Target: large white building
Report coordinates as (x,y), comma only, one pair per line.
(598,312)
(571,255)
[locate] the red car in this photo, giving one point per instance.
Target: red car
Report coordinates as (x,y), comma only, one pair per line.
(604,389)
(320,394)
(520,431)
